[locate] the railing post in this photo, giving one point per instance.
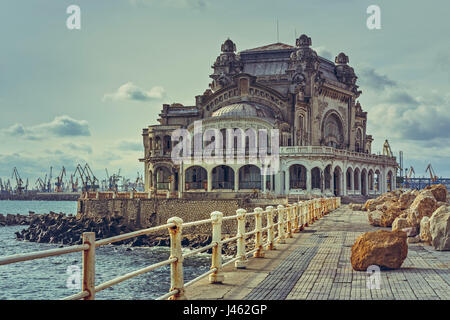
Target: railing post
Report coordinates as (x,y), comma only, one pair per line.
(270,231)
(302,215)
(89,265)
(316,211)
(258,235)
(289,221)
(281,233)
(305,214)
(242,262)
(311,212)
(216,258)
(296,218)
(176,267)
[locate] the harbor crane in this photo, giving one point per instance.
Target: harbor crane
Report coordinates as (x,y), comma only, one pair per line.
(433,176)
(88,180)
(74,184)
(387,149)
(8,187)
(49,181)
(40,185)
(139,185)
(125,184)
(113,180)
(408,175)
(59,184)
(19,181)
(3,188)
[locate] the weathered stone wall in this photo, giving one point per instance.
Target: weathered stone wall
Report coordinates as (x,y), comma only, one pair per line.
(43,196)
(145,213)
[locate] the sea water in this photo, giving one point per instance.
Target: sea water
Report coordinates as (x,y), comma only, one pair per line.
(50,278)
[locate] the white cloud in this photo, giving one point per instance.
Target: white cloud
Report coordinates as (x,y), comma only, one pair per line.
(129,91)
(61,126)
(371,78)
(130,145)
(324,52)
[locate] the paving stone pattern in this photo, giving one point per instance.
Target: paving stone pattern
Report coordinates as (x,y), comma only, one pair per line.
(320,268)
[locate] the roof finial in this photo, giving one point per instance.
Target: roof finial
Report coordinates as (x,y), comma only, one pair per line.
(303,41)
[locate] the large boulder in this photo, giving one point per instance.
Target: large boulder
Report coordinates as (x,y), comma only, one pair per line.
(424,205)
(440,228)
(439,191)
(386,205)
(406,199)
(390,214)
(425,234)
(356,207)
(370,205)
(399,224)
(375,217)
(383,248)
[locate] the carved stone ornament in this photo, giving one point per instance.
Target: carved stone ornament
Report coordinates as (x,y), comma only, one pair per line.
(345,73)
(304,59)
(227,64)
(319,80)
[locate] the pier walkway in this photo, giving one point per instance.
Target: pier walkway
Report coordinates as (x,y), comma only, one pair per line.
(315,265)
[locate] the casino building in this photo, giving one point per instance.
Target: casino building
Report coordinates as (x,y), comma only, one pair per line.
(324,147)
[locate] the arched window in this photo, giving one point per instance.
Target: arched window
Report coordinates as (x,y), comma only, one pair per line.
(196,178)
(300,131)
(358,141)
(249,177)
(222,177)
(333,133)
(315,178)
(297,177)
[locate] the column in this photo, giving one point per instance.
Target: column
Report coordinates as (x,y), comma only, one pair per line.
(308,181)
(277,182)
(344,189)
(286,182)
(209,179)
(366,182)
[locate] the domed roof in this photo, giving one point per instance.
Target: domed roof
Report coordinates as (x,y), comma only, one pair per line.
(244,110)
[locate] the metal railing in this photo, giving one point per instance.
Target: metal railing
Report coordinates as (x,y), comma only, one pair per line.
(316,150)
(289,219)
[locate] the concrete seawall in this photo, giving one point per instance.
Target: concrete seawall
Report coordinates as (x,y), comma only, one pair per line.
(145,213)
(43,196)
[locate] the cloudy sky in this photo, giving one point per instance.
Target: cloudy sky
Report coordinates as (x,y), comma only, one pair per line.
(70,96)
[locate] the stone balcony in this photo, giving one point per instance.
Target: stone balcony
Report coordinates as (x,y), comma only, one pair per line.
(322,151)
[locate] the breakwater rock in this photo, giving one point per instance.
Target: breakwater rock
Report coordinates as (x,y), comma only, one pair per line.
(59,228)
(15,219)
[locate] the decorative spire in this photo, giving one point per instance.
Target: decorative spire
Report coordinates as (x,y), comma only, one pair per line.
(227,64)
(228,46)
(303,41)
(341,59)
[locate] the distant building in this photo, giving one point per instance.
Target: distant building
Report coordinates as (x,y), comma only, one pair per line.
(324,146)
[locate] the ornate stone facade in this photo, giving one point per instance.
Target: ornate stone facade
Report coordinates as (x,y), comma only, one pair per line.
(324,146)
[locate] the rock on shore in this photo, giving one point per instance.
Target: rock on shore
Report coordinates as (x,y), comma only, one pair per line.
(59,228)
(383,248)
(439,228)
(412,211)
(15,219)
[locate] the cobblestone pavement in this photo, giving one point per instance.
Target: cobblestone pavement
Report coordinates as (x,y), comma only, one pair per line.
(320,269)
